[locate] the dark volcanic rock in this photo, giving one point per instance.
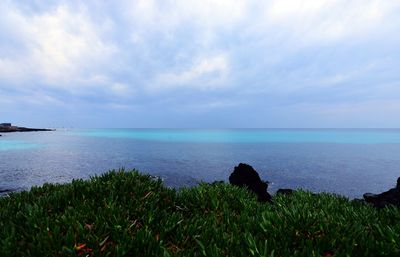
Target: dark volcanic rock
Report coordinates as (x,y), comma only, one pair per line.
(284,191)
(21,129)
(2,191)
(392,196)
(245,176)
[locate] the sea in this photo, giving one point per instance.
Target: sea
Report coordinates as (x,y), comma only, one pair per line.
(348,162)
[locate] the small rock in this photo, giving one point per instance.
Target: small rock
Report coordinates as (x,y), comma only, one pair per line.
(4,190)
(392,196)
(370,196)
(356,200)
(245,176)
(285,191)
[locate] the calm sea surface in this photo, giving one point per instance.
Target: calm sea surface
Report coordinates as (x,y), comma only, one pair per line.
(347,162)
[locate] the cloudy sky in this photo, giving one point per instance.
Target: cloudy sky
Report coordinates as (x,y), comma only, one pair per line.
(200,64)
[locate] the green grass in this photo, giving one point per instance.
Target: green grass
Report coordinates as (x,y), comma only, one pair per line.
(130,214)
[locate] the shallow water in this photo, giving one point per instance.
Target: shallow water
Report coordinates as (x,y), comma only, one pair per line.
(347,162)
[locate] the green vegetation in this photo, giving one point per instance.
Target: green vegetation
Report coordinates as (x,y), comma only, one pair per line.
(129,214)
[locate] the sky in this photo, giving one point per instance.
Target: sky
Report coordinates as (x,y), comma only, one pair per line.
(200,64)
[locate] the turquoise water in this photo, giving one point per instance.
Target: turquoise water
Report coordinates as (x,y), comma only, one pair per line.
(251,136)
(9,145)
(349,162)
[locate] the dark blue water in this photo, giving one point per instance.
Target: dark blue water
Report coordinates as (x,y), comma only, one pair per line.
(347,162)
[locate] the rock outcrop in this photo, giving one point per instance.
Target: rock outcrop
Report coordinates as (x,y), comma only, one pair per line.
(390,197)
(284,191)
(4,190)
(245,176)
(21,129)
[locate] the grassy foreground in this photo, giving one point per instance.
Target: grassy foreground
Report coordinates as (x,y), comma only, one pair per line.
(129,214)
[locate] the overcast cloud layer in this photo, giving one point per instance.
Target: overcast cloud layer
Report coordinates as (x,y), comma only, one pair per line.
(213,64)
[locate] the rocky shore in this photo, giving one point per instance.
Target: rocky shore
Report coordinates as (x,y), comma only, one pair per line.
(8,129)
(246,176)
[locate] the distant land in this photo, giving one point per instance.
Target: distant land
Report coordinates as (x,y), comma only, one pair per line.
(8,127)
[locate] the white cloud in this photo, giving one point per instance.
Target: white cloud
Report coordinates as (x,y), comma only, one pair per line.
(212,105)
(347,77)
(302,22)
(60,47)
(37,99)
(109,86)
(117,106)
(329,19)
(381,113)
(205,73)
(164,20)
(121,90)
(310,21)
(175,52)
(9,70)
(169,14)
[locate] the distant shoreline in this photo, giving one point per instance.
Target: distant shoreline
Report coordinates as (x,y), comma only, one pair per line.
(21,129)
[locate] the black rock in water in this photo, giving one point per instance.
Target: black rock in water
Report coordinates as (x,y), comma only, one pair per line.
(245,176)
(392,196)
(284,191)
(5,190)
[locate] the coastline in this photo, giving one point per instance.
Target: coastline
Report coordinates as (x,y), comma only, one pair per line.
(21,129)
